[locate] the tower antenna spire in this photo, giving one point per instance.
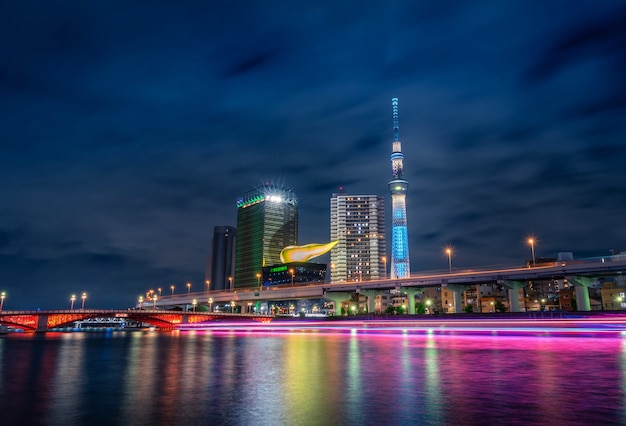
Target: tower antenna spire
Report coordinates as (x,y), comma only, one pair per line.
(394,104)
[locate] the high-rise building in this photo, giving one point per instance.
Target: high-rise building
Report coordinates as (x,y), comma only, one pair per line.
(267,222)
(400,266)
(222,259)
(357,223)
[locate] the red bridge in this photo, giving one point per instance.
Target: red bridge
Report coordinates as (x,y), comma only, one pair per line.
(42,321)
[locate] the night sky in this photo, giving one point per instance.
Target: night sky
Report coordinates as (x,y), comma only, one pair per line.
(128,131)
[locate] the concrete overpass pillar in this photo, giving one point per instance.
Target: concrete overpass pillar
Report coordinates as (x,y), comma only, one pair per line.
(371,299)
(513,293)
(457,291)
(337,298)
(42,323)
(581,286)
(410,295)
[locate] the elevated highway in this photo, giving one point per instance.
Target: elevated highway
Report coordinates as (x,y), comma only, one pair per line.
(581,273)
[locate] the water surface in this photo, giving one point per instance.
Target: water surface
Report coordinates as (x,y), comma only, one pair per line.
(309,378)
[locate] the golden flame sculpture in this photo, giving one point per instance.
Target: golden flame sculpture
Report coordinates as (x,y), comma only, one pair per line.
(305,253)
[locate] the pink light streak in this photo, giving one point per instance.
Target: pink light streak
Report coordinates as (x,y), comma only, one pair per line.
(609,326)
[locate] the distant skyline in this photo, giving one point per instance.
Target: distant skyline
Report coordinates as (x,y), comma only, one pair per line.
(129,130)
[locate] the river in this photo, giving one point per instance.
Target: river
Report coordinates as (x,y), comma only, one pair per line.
(309,378)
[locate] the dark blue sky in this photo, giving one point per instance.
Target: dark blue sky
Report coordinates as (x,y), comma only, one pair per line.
(129,130)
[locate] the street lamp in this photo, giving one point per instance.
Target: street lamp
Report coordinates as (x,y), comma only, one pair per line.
(531,241)
(159,289)
(385,262)
(140,302)
(293,274)
(210,304)
(258,280)
(154,300)
(188,288)
(172,288)
(84,296)
(449,253)
(230,283)
(2,296)
(72,300)
(232,306)
(194,302)
(208,283)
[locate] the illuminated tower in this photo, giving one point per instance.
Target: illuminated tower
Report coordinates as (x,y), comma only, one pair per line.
(267,222)
(400,266)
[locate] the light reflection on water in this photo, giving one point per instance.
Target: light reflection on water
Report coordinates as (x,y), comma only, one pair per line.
(308,378)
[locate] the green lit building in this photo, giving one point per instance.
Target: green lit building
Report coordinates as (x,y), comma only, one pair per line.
(267,222)
(293,273)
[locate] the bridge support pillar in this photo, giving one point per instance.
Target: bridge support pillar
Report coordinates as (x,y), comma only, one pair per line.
(371,300)
(513,293)
(457,291)
(581,286)
(42,323)
(410,296)
(337,298)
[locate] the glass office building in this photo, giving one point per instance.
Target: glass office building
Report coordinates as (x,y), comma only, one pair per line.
(267,222)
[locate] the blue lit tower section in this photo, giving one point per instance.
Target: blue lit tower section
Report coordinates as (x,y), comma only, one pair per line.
(400,266)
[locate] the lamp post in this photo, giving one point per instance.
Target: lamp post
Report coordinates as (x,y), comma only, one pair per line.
(188,288)
(531,241)
(140,302)
(385,262)
(159,290)
(230,283)
(293,274)
(449,253)
(154,300)
(208,283)
(258,279)
(232,306)
(2,296)
(72,300)
(172,288)
(210,304)
(194,302)
(84,296)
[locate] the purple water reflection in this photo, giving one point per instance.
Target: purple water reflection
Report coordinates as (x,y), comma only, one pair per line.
(309,378)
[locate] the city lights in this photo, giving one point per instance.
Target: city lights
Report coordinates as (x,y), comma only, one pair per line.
(448,251)
(531,242)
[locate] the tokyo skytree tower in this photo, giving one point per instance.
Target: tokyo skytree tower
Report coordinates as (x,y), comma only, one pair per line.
(400,266)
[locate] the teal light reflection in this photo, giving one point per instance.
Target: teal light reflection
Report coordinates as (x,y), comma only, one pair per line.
(433,382)
(354,383)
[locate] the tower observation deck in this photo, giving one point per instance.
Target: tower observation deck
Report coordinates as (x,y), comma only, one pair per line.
(400,265)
